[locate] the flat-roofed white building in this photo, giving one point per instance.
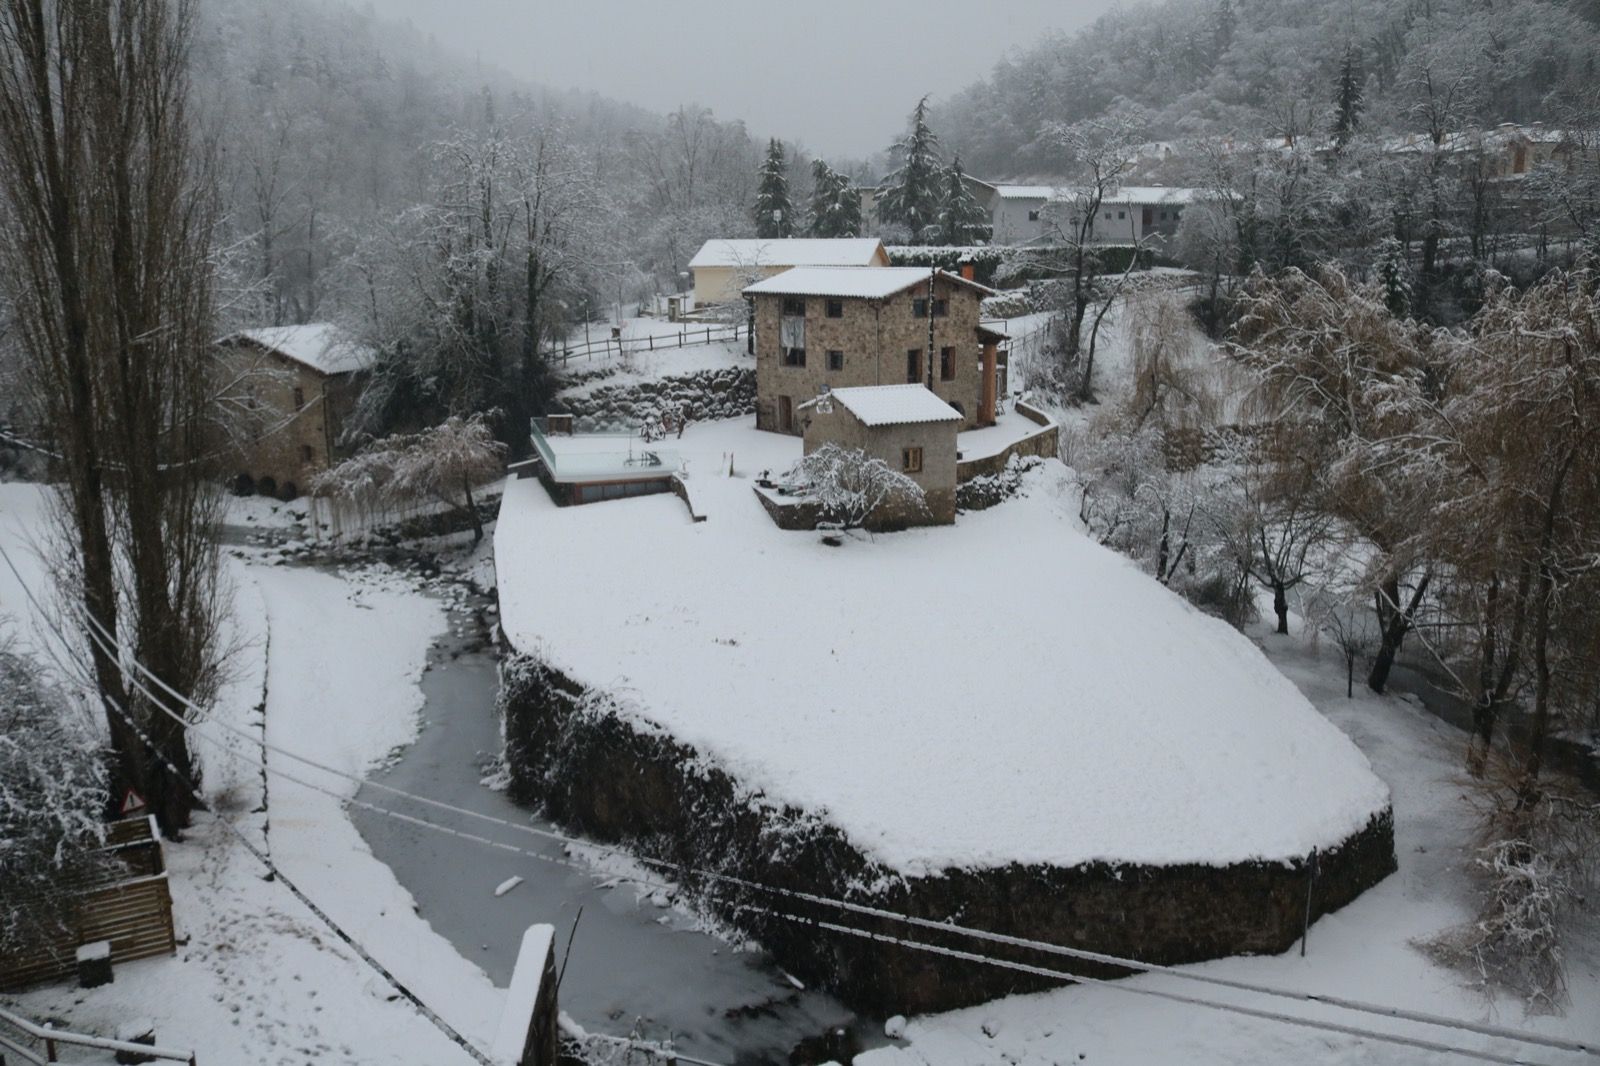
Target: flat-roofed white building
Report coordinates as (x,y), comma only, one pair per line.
(724,268)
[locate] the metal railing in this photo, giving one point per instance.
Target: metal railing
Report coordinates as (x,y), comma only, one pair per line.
(53,1040)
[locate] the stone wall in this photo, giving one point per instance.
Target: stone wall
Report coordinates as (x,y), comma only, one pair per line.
(290,442)
(704,396)
(1043,444)
(576,757)
(874,336)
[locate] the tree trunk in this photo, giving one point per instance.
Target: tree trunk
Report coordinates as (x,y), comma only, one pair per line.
(472,514)
(1280,606)
(1399,623)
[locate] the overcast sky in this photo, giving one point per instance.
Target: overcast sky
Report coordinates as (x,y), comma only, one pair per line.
(838,75)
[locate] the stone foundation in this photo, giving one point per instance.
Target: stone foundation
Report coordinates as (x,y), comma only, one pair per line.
(587,767)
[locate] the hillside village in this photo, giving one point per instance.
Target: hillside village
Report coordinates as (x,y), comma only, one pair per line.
(498,576)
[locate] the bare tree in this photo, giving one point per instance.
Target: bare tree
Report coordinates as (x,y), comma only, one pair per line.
(107,262)
(442,464)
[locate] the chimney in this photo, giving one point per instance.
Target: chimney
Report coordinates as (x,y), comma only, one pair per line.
(969,270)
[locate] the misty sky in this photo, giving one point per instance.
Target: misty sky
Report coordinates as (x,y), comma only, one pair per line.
(837,75)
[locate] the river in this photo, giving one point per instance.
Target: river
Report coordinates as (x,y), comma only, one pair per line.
(634,967)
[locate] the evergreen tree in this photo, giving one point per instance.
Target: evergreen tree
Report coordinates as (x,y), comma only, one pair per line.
(774,213)
(913,193)
(1394,274)
(835,203)
(962,220)
(1347,99)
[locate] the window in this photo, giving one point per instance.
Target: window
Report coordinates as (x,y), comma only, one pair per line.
(919,308)
(913,366)
(941,308)
(835,359)
(1033,216)
(1122,214)
(306,454)
(794,357)
(793,305)
(835,308)
(911,460)
(947,364)
(299,397)
(1108,216)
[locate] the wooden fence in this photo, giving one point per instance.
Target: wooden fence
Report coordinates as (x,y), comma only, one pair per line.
(684,338)
(132,912)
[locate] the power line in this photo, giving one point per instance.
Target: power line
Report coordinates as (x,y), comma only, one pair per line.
(1338,1002)
(1080,954)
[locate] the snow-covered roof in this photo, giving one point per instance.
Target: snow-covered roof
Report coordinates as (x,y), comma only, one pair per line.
(869,283)
(1026,192)
(895,405)
(318,345)
(790,252)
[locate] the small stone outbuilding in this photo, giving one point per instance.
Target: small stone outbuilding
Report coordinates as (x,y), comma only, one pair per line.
(296,387)
(906,426)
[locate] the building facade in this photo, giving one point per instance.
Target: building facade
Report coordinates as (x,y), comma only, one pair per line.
(298,387)
(723,268)
(823,329)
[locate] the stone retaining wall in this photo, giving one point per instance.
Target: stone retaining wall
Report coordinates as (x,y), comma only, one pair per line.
(574,756)
(1042,444)
(703,396)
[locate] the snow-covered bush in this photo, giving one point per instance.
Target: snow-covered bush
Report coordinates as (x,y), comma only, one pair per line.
(852,487)
(442,464)
(52,789)
(1539,857)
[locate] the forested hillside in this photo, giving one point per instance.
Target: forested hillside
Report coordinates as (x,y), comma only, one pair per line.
(1261,67)
(450,215)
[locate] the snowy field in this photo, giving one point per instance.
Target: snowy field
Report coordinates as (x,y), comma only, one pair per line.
(1000,691)
(670,359)
(1363,951)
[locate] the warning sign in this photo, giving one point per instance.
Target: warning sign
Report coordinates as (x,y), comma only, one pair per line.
(132,802)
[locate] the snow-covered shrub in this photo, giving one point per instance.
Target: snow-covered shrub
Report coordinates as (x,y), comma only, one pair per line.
(990,490)
(52,789)
(1539,856)
(439,464)
(852,487)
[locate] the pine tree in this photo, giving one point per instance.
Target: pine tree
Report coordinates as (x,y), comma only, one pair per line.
(1394,274)
(962,220)
(1347,99)
(912,195)
(835,203)
(774,213)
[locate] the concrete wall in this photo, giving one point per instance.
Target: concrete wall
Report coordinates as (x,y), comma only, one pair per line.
(937,478)
(286,442)
(874,336)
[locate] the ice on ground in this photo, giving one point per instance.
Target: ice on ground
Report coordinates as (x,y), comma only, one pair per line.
(1000,691)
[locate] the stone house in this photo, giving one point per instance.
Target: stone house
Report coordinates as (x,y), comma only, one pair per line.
(298,386)
(908,427)
(722,268)
(823,328)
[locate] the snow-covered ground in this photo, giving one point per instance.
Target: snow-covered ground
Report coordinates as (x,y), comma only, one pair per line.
(681,349)
(1364,951)
(920,690)
(259,980)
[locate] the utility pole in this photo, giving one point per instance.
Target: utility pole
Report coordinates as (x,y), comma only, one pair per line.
(933,275)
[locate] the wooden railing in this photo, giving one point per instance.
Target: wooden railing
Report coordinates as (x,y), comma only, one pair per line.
(684,338)
(52,1040)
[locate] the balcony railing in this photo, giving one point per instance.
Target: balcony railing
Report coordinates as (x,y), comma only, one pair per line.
(600,452)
